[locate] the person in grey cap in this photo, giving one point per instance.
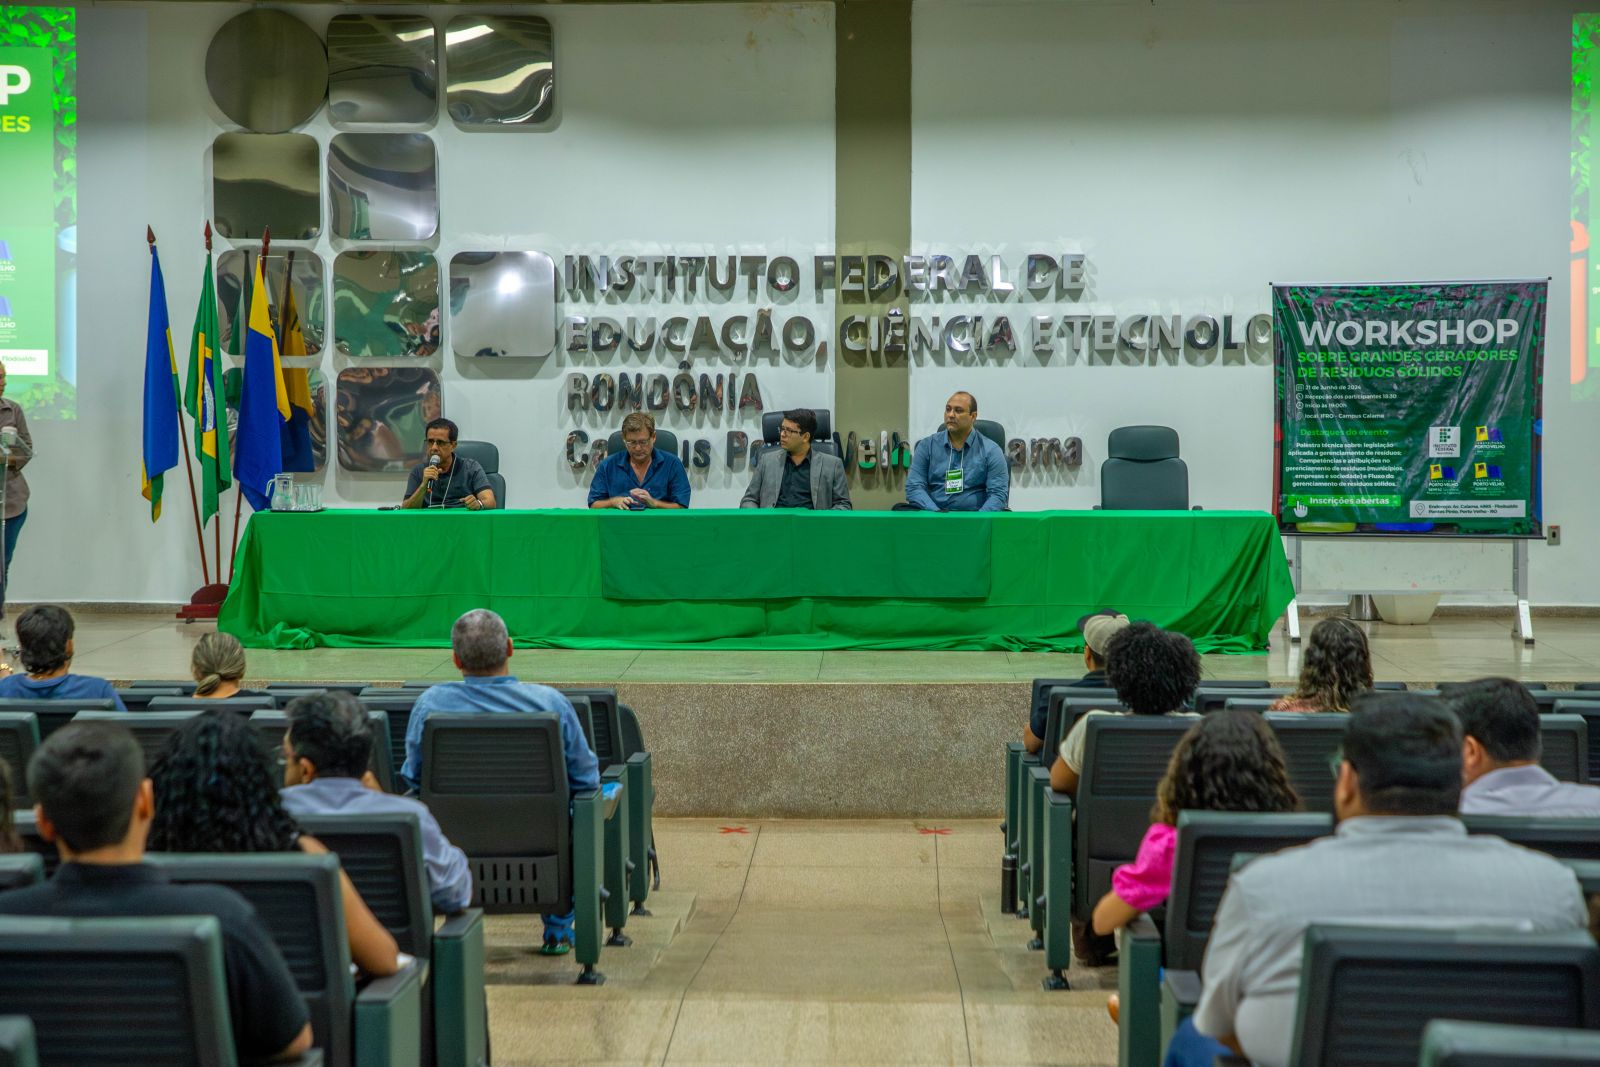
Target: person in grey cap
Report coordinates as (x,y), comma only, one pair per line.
(1098,628)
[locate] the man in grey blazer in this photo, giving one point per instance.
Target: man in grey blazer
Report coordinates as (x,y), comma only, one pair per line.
(798,476)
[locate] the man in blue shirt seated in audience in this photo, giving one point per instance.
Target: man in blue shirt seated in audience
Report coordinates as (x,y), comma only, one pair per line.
(958,469)
(1500,755)
(482,651)
(1098,629)
(1400,857)
(327,751)
(44,637)
(641,476)
(93,800)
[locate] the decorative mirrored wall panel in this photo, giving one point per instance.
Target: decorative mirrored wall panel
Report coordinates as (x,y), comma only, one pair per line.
(265,181)
(382,68)
(380,415)
(267,71)
(386,304)
(502,304)
(383,187)
(501,71)
(306,283)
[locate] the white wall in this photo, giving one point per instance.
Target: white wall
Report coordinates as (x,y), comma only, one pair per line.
(1198,152)
(691,129)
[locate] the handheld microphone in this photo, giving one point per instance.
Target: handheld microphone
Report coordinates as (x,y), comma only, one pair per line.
(433,466)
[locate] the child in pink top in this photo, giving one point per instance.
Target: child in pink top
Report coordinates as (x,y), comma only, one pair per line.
(1228,761)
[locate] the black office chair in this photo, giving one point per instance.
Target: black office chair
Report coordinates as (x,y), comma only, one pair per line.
(299,900)
(1352,1009)
(488,456)
(109,992)
(821,441)
(1142,471)
(19,736)
(666,441)
(1447,1043)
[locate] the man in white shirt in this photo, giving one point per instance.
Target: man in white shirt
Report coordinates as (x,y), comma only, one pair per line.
(1500,755)
(1399,857)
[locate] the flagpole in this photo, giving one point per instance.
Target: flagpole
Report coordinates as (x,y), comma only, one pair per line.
(188,468)
(238,499)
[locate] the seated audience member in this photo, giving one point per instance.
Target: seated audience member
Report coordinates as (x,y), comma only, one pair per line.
(1098,629)
(795,475)
(1400,857)
(1338,668)
(641,476)
(44,637)
(215,791)
(1228,761)
(1500,755)
(327,749)
(10,841)
(1153,671)
(217,665)
(95,804)
(958,469)
(482,651)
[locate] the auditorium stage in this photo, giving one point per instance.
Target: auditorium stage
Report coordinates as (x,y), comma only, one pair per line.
(841,734)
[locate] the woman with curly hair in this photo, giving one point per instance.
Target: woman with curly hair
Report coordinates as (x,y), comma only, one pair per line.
(1154,672)
(1338,668)
(216,792)
(1228,761)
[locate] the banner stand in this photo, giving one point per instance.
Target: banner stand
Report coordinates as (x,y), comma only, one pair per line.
(1519,576)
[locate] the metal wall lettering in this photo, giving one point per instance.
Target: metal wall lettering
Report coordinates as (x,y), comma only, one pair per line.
(266,180)
(381,413)
(502,304)
(267,71)
(386,304)
(310,295)
(383,187)
(501,71)
(382,68)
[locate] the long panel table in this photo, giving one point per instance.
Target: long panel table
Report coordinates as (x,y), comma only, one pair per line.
(754,579)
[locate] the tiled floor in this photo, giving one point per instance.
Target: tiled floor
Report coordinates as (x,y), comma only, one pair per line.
(124,646)
(811,942)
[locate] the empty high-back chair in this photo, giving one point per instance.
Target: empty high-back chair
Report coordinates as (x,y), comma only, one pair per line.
(1142,471)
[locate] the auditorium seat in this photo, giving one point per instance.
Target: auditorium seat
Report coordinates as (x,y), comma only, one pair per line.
(1311,743)
(397,704)
(297,688)
(18,869)
(18,1043)
(1349,1012)
(1565,839)
(619,762)
(1142,471)
(149,728)
(186,686)
(382,854)
(138,698)
(242,704)
(1448,1043)
(1589,711)
(19,736)
(27,828)
(272,725)
(641,810)
(299,899)
(1213,697)
(1259,705)
(54,714)
(1207,844)
(165,972)
(498,786)
(1564,746)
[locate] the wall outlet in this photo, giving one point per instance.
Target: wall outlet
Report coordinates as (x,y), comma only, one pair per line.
(1552,535)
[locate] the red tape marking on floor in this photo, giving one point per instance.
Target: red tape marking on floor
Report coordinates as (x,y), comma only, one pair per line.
(732,830)
(939,830)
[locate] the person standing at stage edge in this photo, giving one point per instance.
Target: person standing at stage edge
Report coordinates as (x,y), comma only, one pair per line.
(956,469)
(13,422)
(641,475)
(446,480)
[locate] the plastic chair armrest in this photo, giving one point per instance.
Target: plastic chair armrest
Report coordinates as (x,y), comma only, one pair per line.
(1180,992)
(388,1019)
(588,872)
(1139,986)
(460,1004)
(311,1057)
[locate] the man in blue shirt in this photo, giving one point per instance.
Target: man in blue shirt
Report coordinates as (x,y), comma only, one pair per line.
(44,637)
(327,751)
(640,476)
(482,651)
(957,469)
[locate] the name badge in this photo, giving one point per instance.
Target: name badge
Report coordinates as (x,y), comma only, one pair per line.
(953,481)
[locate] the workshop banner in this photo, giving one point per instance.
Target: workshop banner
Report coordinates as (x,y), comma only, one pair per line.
(1409,408)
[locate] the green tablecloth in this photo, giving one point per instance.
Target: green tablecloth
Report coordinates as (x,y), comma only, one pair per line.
(400,578)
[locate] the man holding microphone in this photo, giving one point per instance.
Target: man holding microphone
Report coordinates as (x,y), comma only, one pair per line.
(444,481)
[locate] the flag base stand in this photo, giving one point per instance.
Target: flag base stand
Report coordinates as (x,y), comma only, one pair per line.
(205,603)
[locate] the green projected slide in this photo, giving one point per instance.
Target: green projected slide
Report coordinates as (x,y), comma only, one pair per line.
(39,208)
